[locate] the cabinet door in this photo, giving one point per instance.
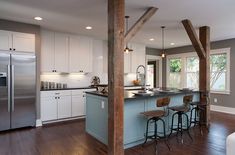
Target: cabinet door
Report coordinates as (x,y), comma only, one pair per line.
(61,52)
(78,105)
(48,108)
(47,51)
(23,42)
(127,62)
(80,54)
(137,56)
(5,40)
(64,106)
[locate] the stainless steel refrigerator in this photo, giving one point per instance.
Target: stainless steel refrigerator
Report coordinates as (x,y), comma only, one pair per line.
(17,90)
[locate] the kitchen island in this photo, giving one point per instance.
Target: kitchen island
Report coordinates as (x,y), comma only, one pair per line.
(134,122)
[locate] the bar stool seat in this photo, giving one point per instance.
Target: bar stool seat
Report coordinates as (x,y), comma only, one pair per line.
(154,113)
(179,108)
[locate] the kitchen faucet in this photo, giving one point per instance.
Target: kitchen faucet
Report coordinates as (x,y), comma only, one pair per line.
(137,75)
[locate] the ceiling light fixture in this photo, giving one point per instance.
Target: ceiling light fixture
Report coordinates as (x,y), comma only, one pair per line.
(172,44)
(127,49)
(88,27)
(163,48)
(38,18)
(151,39)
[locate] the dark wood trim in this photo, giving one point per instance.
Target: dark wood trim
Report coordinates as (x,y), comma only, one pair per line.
(204,69)
(140,23)
(194,38)
(116,9)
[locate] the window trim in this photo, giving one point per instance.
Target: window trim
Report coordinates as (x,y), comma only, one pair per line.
(183,57)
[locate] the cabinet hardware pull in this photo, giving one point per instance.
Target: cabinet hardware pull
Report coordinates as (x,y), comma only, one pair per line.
(14,49)
(10,49)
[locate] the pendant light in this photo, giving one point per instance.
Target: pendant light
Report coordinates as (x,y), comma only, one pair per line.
(163,48)
(127,49)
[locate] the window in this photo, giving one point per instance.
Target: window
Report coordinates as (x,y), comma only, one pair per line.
(186,74)
(175,72)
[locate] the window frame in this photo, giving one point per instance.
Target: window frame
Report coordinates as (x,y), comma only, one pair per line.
(184,56)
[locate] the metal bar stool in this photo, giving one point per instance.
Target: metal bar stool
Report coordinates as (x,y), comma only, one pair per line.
(155,116)
(181,111)
(198,108)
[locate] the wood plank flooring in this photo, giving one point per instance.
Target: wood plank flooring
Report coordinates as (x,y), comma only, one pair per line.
(70,139)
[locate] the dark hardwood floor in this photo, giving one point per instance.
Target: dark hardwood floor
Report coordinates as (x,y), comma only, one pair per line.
(70,139)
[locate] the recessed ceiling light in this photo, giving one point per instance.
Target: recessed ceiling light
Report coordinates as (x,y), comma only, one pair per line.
(88,27)
(151,39)
(172,44)
(38,18)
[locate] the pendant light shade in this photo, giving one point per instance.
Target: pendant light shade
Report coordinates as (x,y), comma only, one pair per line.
(163,45)
(127,49)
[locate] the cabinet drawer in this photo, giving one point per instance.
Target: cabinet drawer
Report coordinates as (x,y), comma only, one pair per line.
(56,93)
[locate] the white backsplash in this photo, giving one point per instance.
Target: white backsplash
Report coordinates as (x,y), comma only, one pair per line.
(82,80)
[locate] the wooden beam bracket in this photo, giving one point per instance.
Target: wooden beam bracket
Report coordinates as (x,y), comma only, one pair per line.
(194,38)
(139,24)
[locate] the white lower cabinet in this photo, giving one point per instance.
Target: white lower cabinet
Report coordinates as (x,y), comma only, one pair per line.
(78,105)
(64,106)
(48,108)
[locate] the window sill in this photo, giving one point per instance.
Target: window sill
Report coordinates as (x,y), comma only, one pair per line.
(220,92)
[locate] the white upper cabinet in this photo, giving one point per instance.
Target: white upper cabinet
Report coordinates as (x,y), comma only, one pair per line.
(137,56)
(23,42)
(54,52)
(61,52)
(80,54)
(134,59)
(47,51)
(16,41)
(5,40)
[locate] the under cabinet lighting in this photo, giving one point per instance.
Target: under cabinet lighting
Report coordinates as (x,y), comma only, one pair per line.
(151,39)
(172,44)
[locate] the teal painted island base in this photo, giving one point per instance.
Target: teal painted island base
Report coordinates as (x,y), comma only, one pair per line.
(134,122)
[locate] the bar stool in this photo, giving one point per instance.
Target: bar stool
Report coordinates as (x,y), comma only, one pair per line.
(155,116)
(181,111)
(198,108)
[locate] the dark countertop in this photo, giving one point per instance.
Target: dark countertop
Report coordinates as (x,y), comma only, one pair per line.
(68,88)
(129,86)
(131,95)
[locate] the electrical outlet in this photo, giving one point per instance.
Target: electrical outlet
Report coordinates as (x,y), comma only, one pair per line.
(102,104)
(215,100)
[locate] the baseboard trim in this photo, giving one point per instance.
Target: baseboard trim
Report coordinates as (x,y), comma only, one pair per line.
(223,109)
(38,122)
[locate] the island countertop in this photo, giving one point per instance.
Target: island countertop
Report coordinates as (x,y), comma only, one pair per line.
(134,94)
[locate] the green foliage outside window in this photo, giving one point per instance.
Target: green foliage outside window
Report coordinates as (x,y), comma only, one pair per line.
(175,65)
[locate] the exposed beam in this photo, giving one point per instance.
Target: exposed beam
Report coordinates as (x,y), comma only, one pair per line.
(204,70)
(194,38)
(116,9)
(139,24)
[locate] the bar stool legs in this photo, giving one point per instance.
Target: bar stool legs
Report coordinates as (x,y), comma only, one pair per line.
(156,136)
(180,128)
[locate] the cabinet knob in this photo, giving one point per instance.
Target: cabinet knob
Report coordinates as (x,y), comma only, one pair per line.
(81,71)
(10,49)
(55,97)
(14,49)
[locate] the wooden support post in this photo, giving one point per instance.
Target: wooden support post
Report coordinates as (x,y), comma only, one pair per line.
(140,23)
(202,47)
(204,70)
(115,76)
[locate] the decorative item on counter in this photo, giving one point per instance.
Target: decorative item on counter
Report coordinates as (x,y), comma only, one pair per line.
(102,88)
(52,85)
(136,82)
(58,86)
(95,80)
(44,85)
(64,85)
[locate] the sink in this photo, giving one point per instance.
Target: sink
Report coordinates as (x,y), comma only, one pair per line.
(143,93)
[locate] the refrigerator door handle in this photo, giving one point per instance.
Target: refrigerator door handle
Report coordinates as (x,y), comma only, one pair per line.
(9,87)
(12,87)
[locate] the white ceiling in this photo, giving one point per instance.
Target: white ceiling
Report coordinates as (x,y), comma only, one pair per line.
(74,15)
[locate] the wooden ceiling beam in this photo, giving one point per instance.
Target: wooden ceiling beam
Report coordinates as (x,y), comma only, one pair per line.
(139,24)
(194,38)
